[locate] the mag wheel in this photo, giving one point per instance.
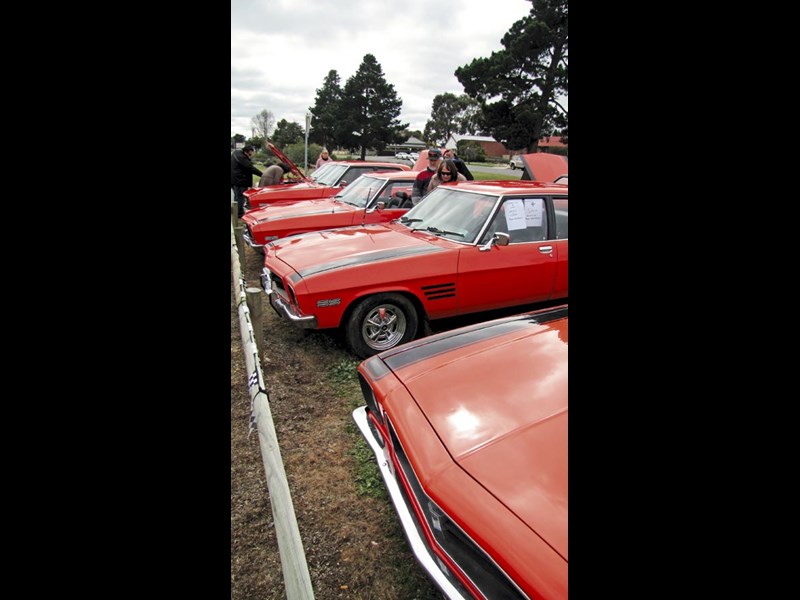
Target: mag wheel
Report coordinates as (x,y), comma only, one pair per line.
(381,322)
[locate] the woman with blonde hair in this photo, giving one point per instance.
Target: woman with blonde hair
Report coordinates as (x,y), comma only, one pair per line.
(323,158)
(446,173)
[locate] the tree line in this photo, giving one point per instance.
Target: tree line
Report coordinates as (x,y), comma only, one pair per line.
(511,96)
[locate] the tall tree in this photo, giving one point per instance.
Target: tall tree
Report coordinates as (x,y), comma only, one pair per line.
(445,110)
(325,112)
(528,75)
(471,117)
(453,114)
(369,110)
(287,133)
(262,124)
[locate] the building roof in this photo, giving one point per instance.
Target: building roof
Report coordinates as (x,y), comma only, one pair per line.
(552,142)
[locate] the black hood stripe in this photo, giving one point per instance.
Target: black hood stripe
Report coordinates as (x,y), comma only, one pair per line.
(362,259)
(443,343)
(328,211)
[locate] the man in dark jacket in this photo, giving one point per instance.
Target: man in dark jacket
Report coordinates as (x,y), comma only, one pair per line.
(242,171)
(420,187)
(460,164)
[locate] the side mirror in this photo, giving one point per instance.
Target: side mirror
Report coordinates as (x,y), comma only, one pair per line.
(379,206)
(498,239)
(501,239)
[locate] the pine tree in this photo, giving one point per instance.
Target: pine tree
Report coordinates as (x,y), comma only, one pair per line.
(529,74)
(369,110)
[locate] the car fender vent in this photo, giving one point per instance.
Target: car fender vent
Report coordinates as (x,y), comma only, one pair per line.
(439,291)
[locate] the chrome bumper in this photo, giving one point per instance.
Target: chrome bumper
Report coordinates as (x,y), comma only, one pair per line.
(286,311)
(250,241)
(418,545)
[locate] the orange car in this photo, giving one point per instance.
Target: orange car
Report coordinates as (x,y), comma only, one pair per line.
(465,248)
(325,182)
(469,429)
(372,198)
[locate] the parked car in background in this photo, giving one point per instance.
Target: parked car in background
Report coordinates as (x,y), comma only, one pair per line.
(465,248)
(541,166)
(515,162)
(470,432)
(372,198)
(413,155)
(403,155)
(326,181)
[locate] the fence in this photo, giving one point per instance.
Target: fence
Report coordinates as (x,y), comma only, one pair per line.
(293,559)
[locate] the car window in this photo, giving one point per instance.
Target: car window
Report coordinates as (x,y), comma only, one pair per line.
(454,214)
(523,219)
(562,215)
(360,191)
(331,175)
(356,172)
(395,186)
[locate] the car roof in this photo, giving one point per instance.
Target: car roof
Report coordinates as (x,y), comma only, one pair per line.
(367,163)
(506,187)
(393,175)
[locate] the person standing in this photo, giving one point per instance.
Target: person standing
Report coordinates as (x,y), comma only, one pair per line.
(242,171)
(273,174)
(460,164)
(424,178)
(446,173)
(323,158)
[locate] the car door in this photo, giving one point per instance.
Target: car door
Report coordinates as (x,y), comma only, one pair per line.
(522,272)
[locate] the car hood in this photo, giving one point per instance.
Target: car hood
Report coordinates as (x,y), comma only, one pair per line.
(509,434)
(321,251)
(303,208)
(285,159)
(541,166)
(282,188)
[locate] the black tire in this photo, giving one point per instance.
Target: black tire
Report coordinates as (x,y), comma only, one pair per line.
(367,335)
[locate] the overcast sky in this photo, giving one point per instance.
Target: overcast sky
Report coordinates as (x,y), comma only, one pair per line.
(282,50)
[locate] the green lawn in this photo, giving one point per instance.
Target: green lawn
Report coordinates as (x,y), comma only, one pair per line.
(494,176)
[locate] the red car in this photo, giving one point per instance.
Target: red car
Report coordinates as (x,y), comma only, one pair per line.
(469,429)
(372,198)
(465,248)
(335,176)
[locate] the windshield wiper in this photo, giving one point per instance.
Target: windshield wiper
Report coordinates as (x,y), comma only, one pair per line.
(438,231)
(404,219)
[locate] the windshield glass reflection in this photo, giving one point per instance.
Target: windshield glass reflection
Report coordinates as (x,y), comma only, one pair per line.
(360,191)
(452,214)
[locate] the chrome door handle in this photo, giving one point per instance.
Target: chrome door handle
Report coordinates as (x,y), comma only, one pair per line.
(545,249)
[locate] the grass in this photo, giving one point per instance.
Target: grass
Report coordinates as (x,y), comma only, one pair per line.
(494,176)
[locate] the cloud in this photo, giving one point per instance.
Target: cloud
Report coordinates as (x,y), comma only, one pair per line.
(281,51)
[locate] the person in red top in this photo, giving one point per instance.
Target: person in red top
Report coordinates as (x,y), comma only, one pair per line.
(424,178)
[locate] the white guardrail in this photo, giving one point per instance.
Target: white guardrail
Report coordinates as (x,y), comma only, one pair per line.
(293,559)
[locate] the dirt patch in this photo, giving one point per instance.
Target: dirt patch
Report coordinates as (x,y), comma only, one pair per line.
(354,545)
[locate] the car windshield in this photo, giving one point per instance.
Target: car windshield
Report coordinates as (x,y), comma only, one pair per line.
(332,174)
(450,213)
(360,191)
(321,171)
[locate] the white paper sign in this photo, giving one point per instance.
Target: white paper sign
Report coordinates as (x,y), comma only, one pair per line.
(534,207)
(515,215)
